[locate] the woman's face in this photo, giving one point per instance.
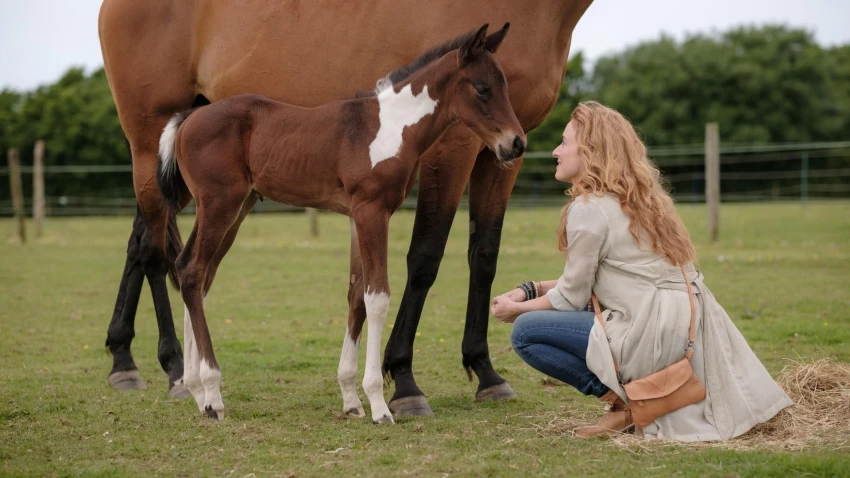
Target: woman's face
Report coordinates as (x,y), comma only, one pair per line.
(569,163)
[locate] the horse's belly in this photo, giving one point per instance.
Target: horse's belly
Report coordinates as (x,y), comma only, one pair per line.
(285,52)
(303,191)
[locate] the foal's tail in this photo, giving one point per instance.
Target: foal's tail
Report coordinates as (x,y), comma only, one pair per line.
(169,179)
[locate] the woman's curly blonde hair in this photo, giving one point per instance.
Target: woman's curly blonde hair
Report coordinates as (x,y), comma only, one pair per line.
(613,160)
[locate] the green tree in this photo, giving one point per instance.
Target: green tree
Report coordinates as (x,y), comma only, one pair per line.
(766,84)
(78,122)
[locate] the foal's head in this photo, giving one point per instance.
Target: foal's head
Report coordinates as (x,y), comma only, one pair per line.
(479,95)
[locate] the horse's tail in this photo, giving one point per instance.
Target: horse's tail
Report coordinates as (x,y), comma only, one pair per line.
(169,179)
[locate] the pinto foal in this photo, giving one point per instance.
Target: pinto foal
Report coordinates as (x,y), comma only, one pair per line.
(357,157)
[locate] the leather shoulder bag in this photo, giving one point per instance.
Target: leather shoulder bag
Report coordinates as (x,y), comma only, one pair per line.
(668,389)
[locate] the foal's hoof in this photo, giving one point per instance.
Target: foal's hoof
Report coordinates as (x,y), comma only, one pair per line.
(411,406)
(217,414)
(178,390)
(127,380)
(383,419)
(355,412)
(503,391)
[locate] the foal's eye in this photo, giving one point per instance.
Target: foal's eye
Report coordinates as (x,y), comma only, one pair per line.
(482,90)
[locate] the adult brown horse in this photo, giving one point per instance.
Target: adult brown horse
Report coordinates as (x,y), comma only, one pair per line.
(358,157)
(163,56)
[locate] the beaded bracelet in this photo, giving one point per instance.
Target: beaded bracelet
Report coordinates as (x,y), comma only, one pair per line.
(525,289)
(531,290)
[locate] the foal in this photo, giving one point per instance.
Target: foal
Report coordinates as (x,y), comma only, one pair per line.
(356,157)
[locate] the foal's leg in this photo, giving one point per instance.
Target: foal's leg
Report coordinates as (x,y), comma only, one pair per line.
(347,371)
(192,358)
(247,206)
(372,223)
(214,219)
(192,376)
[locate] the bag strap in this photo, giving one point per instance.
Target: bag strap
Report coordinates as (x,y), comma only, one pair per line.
(691,331)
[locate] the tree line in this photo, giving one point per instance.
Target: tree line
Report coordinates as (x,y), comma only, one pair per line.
(766,84)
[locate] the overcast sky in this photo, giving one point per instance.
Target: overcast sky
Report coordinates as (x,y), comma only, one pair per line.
(40,39)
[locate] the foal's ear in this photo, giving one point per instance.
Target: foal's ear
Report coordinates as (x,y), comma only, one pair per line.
(472,47)
(492,42)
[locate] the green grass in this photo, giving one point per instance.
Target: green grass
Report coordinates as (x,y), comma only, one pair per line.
(277,313)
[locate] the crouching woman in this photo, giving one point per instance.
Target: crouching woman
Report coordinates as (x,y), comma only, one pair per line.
(625,243)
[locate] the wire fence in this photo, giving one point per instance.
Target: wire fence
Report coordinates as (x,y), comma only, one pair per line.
(767,172)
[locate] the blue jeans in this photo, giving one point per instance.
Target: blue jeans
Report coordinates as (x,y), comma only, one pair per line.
(555,343)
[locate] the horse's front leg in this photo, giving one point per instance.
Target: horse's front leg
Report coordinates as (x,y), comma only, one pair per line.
(490,188)
(443,175)
(372,225)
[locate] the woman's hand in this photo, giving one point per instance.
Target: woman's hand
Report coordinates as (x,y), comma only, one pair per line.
(516,294)
(505,309)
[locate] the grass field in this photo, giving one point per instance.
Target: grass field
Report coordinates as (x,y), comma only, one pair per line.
(780,270)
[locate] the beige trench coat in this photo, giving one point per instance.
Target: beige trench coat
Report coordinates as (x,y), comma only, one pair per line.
(646,313)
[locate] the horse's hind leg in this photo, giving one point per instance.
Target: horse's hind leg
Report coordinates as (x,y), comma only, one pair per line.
(147,256)
(192,377)
(124,374)
(247,206)
(191,359)
(154,252)
(347,371)
(215,217)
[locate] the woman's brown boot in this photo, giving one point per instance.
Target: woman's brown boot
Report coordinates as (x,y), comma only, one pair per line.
(617,420)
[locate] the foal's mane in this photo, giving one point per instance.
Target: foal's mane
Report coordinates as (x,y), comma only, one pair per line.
(402,73)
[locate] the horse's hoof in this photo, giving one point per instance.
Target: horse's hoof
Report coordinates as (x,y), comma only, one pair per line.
(127,380)
(179,391)
(503,391)
(355,412)
(217,414)
(383,419)
(411,406)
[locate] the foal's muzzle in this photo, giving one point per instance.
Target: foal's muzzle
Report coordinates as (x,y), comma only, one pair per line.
(512,150)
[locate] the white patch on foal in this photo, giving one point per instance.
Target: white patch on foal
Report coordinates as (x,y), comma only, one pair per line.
(377,305)
(203,381)
(192,362)
(397,110)
(211,379)
(347,376)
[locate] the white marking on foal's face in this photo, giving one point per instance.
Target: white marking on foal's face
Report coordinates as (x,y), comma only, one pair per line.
(397,110)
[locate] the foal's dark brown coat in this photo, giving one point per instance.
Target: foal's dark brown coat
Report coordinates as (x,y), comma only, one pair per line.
(356,157)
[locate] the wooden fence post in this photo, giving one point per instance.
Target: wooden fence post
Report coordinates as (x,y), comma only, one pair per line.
(313,217)
(804,178)
(38,188)
(712,179)
(17,191)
